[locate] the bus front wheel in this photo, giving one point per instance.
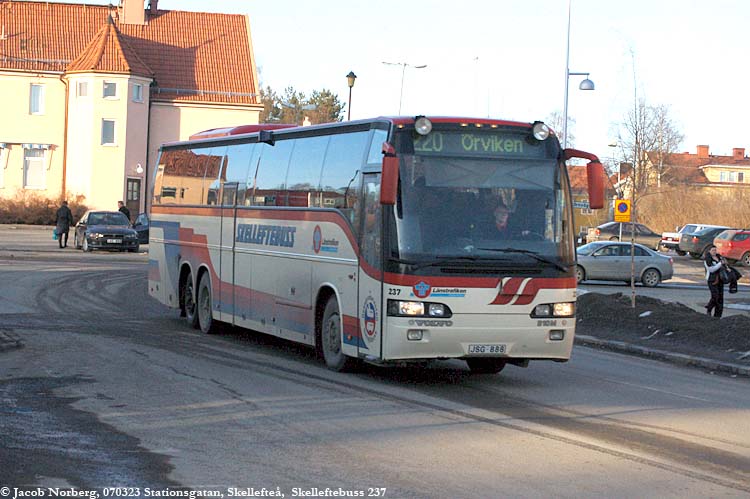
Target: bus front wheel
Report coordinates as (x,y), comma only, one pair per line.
(485,365)
(331,337)
(203,306)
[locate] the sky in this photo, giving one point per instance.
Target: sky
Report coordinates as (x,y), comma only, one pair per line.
(506,59)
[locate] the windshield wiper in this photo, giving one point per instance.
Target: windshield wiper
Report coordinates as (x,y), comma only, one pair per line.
(533,254)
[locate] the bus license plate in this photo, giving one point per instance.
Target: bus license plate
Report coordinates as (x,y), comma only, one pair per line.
(486,348)
(114,241)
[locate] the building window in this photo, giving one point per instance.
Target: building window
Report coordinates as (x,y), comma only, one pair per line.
(83,89)
(108,132)
(110,90)
(741,177)
(587,211)
(36,100)
(33,169)
(137,92)
(728,176)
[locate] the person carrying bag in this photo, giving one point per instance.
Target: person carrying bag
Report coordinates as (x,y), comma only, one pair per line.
(714,264)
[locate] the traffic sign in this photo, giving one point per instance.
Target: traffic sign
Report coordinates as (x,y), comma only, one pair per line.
(622,210)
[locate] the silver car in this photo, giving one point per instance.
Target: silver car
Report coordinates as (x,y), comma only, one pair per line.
(610,261)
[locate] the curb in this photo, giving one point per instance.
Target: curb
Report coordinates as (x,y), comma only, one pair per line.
(676,358)
(9,341)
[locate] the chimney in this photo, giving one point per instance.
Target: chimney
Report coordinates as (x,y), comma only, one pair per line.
(152,5)
(703,152)
(738,153)
(133,12)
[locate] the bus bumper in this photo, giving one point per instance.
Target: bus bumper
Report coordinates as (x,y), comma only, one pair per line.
(478,335)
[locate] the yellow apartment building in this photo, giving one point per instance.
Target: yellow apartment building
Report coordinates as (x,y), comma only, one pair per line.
(89,93)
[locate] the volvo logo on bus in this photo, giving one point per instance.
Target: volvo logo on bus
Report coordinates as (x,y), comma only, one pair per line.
(421,289)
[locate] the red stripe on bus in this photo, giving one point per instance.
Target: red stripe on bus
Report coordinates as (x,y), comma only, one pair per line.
(511,289)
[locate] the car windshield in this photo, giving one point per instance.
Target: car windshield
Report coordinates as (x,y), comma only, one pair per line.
(589,248)
(114,218)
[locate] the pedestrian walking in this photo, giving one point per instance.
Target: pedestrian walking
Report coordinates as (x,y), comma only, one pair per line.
(714,264)
(63,221)
(123,209)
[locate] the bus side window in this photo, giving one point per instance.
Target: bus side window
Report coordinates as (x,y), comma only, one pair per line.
(215,168)
(303,178)
(237,165)
(341,173)
(270,186)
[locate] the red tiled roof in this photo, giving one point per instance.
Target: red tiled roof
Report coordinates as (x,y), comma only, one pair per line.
(194,56)
(579,181)
(109,53)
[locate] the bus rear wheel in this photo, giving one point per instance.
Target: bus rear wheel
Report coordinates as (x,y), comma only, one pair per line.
(331,339)
(205,319)
(485,366)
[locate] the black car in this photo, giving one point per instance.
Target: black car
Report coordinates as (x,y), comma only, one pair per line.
(141,227)
(696,243)
(105,230)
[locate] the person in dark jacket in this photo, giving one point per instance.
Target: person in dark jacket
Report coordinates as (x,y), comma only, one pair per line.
(123,209)
(63,221)
(714,263)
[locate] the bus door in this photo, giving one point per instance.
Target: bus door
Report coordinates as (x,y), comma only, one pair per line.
(225,297)
(370,310)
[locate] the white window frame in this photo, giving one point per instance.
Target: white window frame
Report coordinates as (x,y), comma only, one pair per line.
(105,85)
(114,132)
(39,108)
(82,85)
(27,160)
(137,92)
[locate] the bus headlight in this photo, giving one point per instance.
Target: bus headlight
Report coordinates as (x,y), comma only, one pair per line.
(565,309)
(401,308)
(540,130)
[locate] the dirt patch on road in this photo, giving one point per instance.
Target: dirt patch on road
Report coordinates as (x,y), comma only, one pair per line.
(664,325)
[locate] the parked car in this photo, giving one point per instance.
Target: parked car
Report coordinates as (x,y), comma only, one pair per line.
(671,240)
(696,243)
(141,227)
(734,245)
(610,261)
(610,231)
(105,230)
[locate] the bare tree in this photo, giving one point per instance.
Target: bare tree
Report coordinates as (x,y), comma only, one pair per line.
(555,122)
(647,137)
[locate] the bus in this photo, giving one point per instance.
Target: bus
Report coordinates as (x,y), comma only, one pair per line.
(375,240)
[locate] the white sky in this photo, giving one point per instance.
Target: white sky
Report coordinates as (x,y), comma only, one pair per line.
(506,59)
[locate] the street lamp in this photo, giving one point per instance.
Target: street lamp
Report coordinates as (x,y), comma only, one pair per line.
(586,84)
(403,71)
(350,80)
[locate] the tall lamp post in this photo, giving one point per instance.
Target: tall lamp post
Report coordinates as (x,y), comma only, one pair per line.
(586,84)
(350,80)
(403,72)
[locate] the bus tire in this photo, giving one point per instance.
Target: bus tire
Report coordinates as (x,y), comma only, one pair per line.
(485,365)
(189,301)
(203,306)
(331,338)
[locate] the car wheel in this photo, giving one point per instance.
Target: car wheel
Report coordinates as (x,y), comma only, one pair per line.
(614,238)
(331,339)
(188,301)
(746,259)
(679,252)
(580,274)
(85,245)
(651,278)
(204,310)
(695,256)
(134,250)
(485,366)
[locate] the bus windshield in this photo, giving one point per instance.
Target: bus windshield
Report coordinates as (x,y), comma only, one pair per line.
(508,209)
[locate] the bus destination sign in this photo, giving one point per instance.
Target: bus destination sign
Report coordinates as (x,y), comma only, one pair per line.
(486,144)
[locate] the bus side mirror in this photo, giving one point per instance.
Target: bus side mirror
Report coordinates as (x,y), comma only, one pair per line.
(389,180)
(596,177)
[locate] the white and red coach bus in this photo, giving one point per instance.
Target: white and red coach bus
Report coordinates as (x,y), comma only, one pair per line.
(375,240)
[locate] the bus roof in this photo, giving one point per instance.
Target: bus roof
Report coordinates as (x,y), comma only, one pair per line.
(215,133)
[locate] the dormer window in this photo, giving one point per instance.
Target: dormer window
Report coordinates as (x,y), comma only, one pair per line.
(110,90)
